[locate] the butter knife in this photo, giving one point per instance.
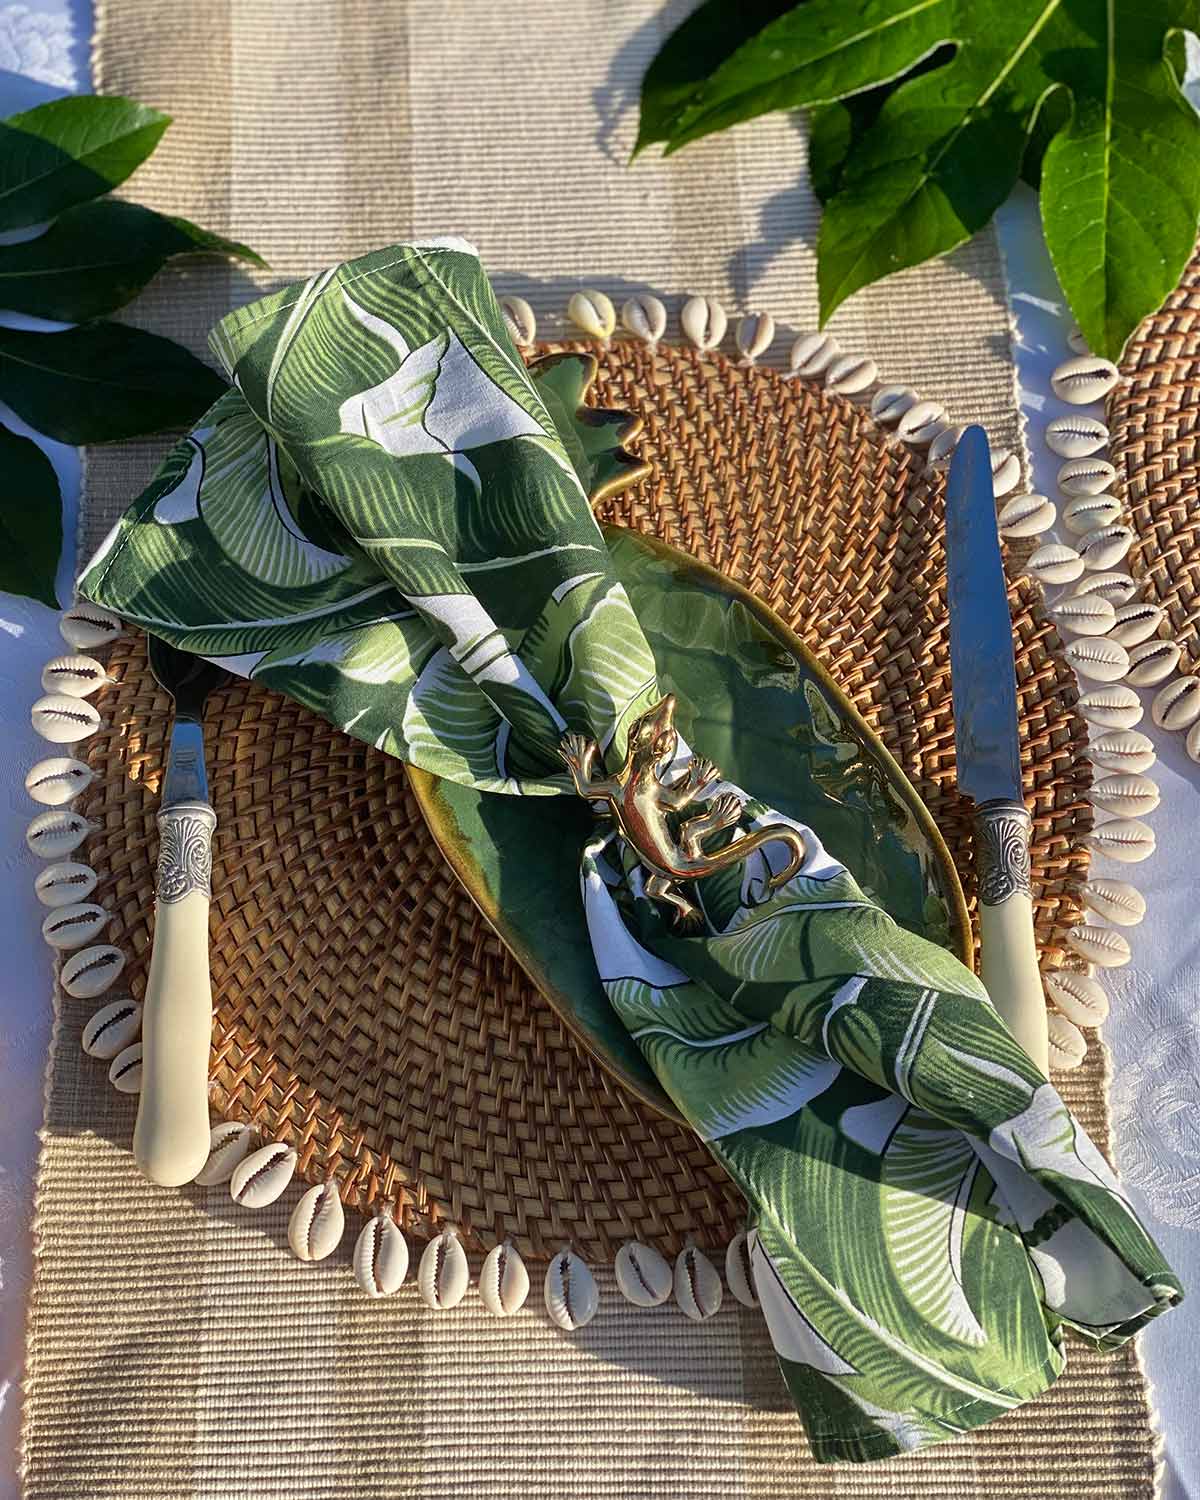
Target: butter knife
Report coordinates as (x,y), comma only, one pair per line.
(987,745)
(171,1137)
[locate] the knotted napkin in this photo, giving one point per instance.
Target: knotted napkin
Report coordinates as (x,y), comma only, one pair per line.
(382,520)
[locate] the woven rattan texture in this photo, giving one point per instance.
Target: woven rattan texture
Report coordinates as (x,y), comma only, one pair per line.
(1154,418)
(368,1014)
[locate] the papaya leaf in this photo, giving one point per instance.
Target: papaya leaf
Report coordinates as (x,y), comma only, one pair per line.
(69,151)
(96,257)
(102,382)
(1080,95)
(30,520)
(705,39)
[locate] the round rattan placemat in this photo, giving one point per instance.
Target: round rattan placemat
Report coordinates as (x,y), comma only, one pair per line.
(368,1014)
(1154,419)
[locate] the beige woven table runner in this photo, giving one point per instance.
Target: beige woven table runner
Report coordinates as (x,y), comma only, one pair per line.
(176,1350)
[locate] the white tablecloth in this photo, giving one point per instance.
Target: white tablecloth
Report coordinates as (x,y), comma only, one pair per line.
(1153,1033)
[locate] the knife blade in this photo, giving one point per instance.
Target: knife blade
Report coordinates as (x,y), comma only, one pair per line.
(987,744)
(171,1136)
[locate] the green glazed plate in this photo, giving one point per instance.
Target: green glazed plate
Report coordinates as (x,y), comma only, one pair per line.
(754,700)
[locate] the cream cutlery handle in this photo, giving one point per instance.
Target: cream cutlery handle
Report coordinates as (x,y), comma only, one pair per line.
(171,1137)
(1008,954)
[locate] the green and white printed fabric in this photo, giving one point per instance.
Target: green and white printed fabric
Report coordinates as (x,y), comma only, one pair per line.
(382,520)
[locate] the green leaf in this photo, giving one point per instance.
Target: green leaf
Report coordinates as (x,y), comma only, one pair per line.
(98,256)
(69,151)
(1121,184)
(815,53)
(835,129)
(1082,96)
(102,382)
(30,520)
(693,50)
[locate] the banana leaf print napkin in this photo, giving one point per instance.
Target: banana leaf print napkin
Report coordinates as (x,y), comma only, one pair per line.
(381,519)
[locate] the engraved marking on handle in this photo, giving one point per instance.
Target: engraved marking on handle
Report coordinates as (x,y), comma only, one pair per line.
(1002,834)
(185,850)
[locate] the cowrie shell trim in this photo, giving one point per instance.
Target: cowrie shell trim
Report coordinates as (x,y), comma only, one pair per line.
(503,1281)
(112,1028)
(381,1257)
(698,1289)
(570,1291)
(643,1275)
(58,779)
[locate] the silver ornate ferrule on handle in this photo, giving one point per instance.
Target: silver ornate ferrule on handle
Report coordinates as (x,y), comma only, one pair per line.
(1008,953)
(1002,834)
(185,832)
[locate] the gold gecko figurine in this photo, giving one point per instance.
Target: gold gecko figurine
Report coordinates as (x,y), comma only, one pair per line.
(647,810)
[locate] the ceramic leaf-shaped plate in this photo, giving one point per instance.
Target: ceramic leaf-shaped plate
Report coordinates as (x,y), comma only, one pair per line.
(753,699)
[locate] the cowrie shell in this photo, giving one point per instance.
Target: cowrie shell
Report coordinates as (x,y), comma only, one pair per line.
(1026,515)
(1125,794)
(570,1291)
(1152,662)
(317,1222)
(941,450)
(86,627)
(263,1175)
(1098,657)
(643,1275)
(1117,588)
(65,884)
(1089,614)
(443,1274)
(755,335)
(74,926)
(1086,476)
(381,1257)
(1084,379)
(890,402)
(1102,548)
(703,320)
(112,1028)
(228,1145)
(645,317)
(593,312)
(125,1070)
(56,780)
(76,676)
(1177,705)
(1080,997)
(1115,900)
(1123,839)
(1006,473)
(921,423)
(1136,622)
(62,719)
(738,1272)
(1099,945)
(520,321)
(1113,707)
(851,374)
(1122,750)
(54,833)
(503,1281)
(1193,741)
(812,354)
(1055,562)
(698,1288)
(1067,1044)
(1076,436)
(1090,513)
(1076,340)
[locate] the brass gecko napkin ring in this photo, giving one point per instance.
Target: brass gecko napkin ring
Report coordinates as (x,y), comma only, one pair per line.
(648,811)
